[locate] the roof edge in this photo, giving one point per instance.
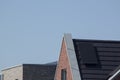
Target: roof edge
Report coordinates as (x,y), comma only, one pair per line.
(72,57)
(96,40)
(27,65)
(12,67)
(114,75)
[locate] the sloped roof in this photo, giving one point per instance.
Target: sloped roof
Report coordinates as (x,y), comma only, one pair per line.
(107,54)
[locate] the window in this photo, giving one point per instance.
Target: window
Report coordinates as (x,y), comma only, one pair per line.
(63,74)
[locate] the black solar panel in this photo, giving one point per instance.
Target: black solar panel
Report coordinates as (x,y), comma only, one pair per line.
(88,53)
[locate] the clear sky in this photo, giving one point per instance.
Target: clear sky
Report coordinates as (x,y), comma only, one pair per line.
(31,31)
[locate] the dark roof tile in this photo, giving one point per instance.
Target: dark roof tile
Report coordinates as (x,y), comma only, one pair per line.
(38,72)
(108,55)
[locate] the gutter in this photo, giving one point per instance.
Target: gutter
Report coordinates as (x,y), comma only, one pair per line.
(115,75)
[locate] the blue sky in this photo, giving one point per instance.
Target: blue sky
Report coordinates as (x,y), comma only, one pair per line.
(31,31)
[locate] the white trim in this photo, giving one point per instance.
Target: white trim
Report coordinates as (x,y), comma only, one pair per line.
(72,57)
(112,77)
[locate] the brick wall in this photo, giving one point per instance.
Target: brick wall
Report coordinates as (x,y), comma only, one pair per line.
(63,64)
(13,73)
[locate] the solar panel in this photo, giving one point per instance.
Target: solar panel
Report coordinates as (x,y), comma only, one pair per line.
(88,53)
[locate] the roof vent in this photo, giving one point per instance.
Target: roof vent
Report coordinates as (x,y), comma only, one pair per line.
(88,54)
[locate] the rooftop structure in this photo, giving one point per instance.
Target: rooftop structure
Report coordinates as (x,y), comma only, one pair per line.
(82,59)
(30,72)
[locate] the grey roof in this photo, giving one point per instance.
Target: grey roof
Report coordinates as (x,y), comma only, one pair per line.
(107,54)
(38,72)
(52,63)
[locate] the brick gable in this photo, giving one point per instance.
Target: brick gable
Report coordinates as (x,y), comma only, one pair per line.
(63,63)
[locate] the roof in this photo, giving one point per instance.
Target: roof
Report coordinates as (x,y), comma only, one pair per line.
(52,63)
(37,71)
(96,58)
(20,65)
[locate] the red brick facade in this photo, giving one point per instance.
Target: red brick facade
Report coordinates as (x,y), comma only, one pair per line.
(63,64)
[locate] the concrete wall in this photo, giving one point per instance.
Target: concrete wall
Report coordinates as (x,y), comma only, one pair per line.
(63,64)
(13,73)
